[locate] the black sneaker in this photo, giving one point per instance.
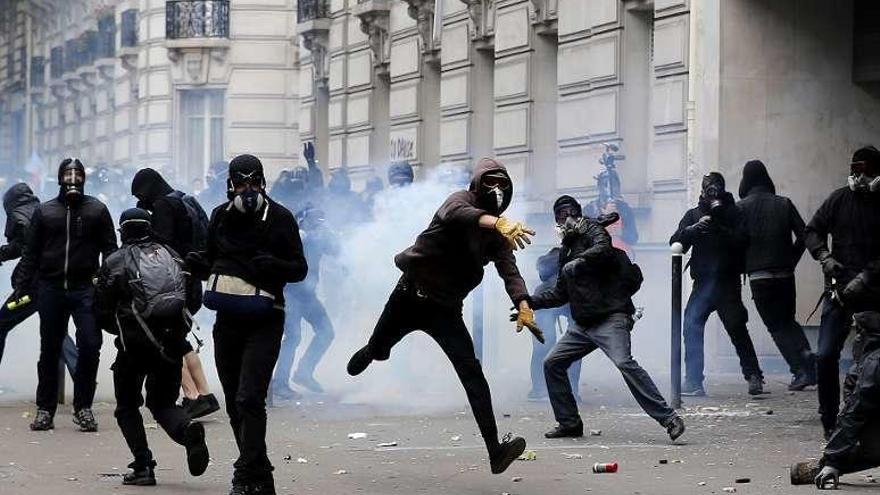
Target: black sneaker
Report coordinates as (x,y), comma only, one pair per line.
(756,385)
(693,390)
(508,451)
(196,449)
(260,488)
(43,421)
(560,431)
(284,392)
(359,361)
(140,476)
(675,427)
(309,383)
(85,419)
(202,406)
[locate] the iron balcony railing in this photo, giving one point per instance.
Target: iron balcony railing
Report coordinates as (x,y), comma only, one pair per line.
(129,35)
(196,19)
(309,10)
(71,55)
(106,44)
(38,72)
(87,49)
(56,62)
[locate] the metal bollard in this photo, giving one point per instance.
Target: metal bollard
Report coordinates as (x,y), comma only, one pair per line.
(675,349)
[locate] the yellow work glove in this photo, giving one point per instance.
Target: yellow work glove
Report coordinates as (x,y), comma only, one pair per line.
(525,317)
(516,233)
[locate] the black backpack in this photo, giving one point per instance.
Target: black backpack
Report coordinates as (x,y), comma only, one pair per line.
(630,274)
(197,217)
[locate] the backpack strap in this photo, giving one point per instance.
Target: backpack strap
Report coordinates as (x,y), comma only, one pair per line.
(149,334)
(194,329)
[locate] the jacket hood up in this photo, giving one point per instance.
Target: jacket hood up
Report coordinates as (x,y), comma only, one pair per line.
(18,195)
(484,166)
(869,322)
(755,175)
(149,184)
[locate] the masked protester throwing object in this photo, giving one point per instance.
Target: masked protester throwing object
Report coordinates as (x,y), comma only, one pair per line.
(597,281)
(439,270)
(145,298)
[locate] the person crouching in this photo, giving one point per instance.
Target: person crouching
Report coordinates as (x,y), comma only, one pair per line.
(145,297)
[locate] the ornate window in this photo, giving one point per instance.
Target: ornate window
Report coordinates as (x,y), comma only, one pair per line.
(309,10)
(129,35)
(196,19)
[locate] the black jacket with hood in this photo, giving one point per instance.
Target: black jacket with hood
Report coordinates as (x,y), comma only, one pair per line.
(20,204)
(770,221)
(447,259)
(171,222)
(591,277)
(64,243)
(852,219)
(861,393)
(235,239)
(718,253)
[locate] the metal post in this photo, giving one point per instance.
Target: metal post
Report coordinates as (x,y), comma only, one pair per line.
(478,321)
(675,354)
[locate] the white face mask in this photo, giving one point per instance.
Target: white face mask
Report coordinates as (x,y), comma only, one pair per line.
(499,197)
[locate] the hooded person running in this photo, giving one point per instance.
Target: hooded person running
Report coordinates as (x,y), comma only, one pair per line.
(439,270)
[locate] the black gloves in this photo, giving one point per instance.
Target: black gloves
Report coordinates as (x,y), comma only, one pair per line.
(701,227)
(309,152)
(831,267)
(198,265)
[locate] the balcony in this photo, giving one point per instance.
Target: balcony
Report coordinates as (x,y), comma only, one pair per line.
(128,39)
(105,47)
(87,47)
(310,10)
(38,72)
(197,23)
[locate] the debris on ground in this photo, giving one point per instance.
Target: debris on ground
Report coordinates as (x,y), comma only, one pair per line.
(529,455)
(869,478)
(595,433)
(516,479)
(26,414)
(702,483)
(572,456)
(287,458)
(302,460)
(663,461)
(72,479)
(743,480)
(456,438)
(728,489)
(357,436)
(387,444)
(341,471)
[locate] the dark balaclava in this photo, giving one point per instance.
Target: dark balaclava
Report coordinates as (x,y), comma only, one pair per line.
(148,185)
(755,175)
(135,225)
(246,171)
(71,180)
(339,183)
(867,334)
(712,192)
(494,187)
(865,170)
(400,174)
(310,218)
(299,180)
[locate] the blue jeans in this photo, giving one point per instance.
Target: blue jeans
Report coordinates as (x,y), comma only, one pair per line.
(56,307)
(612,336)
(547,320)
(302,305)
(725,297)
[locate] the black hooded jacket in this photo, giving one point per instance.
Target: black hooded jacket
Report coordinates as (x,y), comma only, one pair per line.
(719,251)
(447,259)
(64,243)
(769,222)
(590,277)
(171,222)
(861,406)
(235,239)
(852,219)
(20,204)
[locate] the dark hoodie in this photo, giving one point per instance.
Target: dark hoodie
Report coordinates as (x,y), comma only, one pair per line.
(20,204)
(769,221)
(447,259)
(861,395)
(171,223)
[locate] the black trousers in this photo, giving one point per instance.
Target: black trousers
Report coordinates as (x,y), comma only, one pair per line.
(246,349)
(775,299)
(162,379)
(725,297)
(833,330)
(11,318)
(56,306)
(407,311)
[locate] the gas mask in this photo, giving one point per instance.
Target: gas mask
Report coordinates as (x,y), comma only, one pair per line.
(712,192)
(863,177)
(571,226)
(71,179)
(247,192)
(493,187)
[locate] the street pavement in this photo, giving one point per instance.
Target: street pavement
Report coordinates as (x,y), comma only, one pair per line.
(730,436)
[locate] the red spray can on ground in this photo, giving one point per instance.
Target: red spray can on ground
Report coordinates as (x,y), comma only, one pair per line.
(605,467)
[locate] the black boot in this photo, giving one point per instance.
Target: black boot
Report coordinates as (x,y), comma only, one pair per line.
(139,476)
(756,385)
(43,421)
(359,361)
(560,431)
(85,419)
(202,406)
(197,456)
(507,451)
(675,427)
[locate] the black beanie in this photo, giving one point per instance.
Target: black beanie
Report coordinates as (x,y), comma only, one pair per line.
(245,165)
(867,154)
(566,200)
(755,175)
(135,223)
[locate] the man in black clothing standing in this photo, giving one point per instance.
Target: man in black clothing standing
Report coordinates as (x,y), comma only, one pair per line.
(254,242)
(439,270)
(771,257)
(851,216)
(597,281)
(150,342)
(67,237)
(715,230)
